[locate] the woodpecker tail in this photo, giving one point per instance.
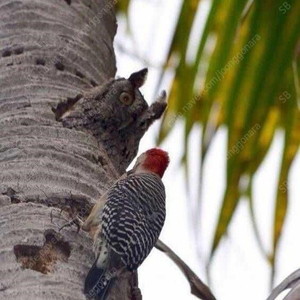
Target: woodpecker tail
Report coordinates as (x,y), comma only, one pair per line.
(98,282)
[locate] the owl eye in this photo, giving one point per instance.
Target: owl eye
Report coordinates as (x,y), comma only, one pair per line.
(126,98)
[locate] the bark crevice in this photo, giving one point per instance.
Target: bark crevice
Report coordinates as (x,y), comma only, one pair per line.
(42,258)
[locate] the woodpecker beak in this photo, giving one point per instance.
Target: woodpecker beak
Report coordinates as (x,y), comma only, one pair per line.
(133,170)
(130,172)
(138,163)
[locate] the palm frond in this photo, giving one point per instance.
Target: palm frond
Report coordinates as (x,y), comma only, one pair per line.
(244,76)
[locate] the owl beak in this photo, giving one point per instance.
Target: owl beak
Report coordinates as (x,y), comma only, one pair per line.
(138,78)
(126,124)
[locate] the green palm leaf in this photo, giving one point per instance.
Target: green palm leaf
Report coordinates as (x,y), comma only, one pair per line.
(242,78)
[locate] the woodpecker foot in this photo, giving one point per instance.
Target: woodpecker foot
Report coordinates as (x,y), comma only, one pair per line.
(75,221)
(52,217)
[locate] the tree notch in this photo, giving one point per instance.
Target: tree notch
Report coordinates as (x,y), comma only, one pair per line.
(42,259)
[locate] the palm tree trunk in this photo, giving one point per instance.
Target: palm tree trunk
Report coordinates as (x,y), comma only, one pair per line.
(49,51)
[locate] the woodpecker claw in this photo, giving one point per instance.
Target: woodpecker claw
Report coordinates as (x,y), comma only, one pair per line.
(52,217)
(76,221)
(70,223)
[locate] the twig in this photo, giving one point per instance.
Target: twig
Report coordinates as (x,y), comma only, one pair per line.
(289,282)
(198,288)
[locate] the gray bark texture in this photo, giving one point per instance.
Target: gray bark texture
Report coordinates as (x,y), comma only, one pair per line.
(50,51)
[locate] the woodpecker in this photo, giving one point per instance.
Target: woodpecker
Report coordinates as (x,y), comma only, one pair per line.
(126,222)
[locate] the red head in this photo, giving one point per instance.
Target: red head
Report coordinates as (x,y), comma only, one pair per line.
(156,161)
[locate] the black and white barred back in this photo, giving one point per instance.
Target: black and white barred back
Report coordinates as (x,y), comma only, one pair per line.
(133,217)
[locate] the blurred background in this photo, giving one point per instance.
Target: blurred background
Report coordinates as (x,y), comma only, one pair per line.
(232,129)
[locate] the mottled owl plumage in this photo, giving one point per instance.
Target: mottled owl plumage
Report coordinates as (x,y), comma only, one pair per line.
(115,113)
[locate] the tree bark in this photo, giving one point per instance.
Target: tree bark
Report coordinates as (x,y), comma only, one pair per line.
(50,51)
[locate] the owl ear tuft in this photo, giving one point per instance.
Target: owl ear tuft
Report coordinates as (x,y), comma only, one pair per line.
(138,78)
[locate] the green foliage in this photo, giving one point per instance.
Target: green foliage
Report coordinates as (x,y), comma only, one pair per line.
(243,76)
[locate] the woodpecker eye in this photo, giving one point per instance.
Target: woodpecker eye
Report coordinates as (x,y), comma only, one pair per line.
(126,98)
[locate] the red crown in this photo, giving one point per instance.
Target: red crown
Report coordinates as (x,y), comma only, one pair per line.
(157,161)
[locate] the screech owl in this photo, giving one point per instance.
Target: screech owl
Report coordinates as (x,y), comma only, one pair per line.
(115,113)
